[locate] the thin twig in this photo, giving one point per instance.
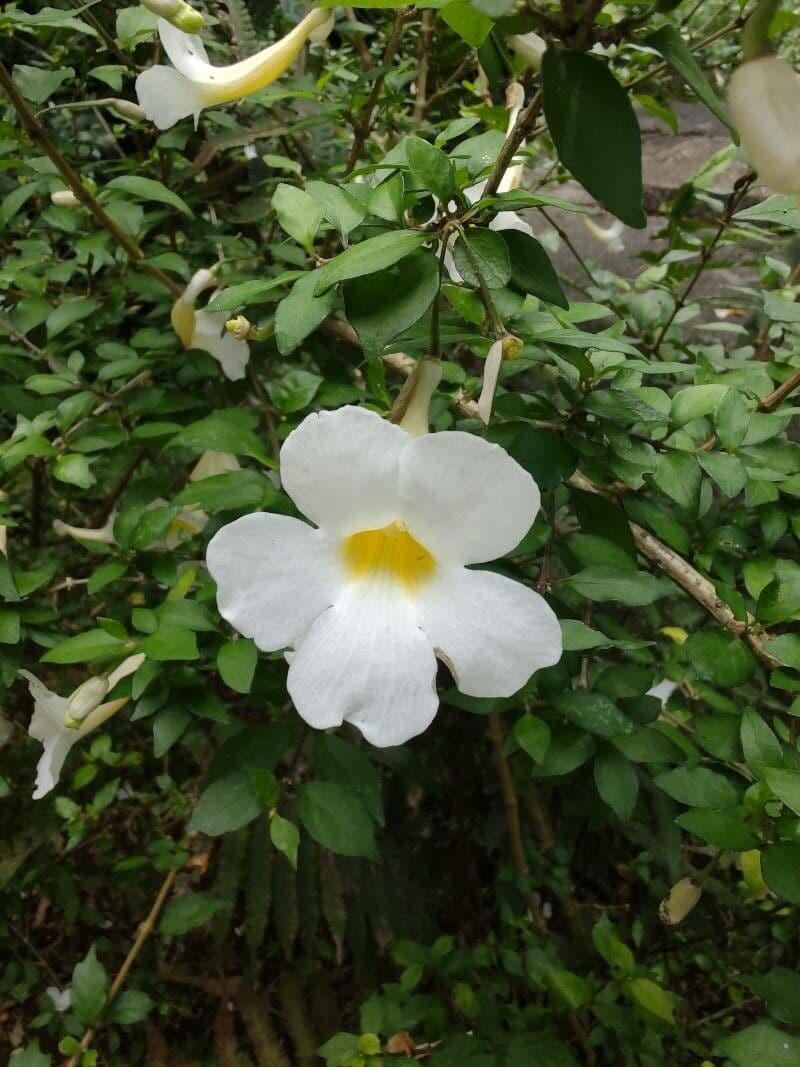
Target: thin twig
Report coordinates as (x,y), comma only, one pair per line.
(142,935)
(523,127)
(423,60)
(770,402)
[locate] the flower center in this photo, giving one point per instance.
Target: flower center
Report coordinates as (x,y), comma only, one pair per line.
(391,552)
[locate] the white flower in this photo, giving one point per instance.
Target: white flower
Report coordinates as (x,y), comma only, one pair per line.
(206,329)
(52,713)
(61,998)
(764,98)
(663,691)
(380,588)
(169,94)
(611,237)
(530,48)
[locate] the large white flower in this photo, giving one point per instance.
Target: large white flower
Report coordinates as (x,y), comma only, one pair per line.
(169,94)
(764,99)
(206,329)
(60,722)
(370,597)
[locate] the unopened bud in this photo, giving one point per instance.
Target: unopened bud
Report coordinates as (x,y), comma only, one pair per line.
(530,48)
(240,327)
(178,12)
(683,896)
(411,410)
(324,25)
(512,346)
(64,198)
(85,699)
(127,109)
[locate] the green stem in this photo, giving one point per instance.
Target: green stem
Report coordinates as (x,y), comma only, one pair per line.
(755,36)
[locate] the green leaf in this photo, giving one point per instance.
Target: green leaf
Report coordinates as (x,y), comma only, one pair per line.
(482,254)
(617,782)
(68,313)
(285,837)
(471,25)
(761,1045)
(9,627)
(678,476)
(569,990)
(130,1007)
(37,84)
(299,313)
(188,912)
(531,269)
(228,803)
(340,208)
(336,819)
(431,167)
(720,657)
(73,469)
(236,663)
(236,296)
(466,302)
(171,643)
(614,951)
(699,787)
(134,24)
(148,189)
(168,726)
(232,491)
(694,402)
(595,131)
(533,736)
(381,306)
(780,988)
(594,713)
(89,985)
(732,420)
(785,785)
(669,43)
(298,213)
(723,829)
(226,430)
(544,454)
(761,747)
(85,648)
(15,200)
(780,865)
(727,471)
(601,582)
(368,257)
(109,74)
(649,996)
(338,761)
(30,1056)
(786,648)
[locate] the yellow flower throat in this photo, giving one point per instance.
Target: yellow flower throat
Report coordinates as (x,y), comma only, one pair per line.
(392,553)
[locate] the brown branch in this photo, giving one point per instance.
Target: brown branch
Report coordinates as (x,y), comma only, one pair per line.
(364,123)
(511,803)
(142,935)
(423,59)
(690,580)
(770,402)
(523,126)
(593,9)
(367,61)
(40,136)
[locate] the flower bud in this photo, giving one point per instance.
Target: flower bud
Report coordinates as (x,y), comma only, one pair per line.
(764,99)
(321,33)
(411,410)
(178,12)
(240,327)
(85,699)
(64,198)
(127,109)
(683,896)
(530,48)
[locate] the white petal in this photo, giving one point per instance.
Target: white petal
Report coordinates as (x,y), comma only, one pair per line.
(510,220)
(491,631)
(465,500)
(167,97)
(128,666)
(491,372)
(663,691)
(48,769)
(275,575)
(186,51)
(340,468)
(367,662)
(231,354)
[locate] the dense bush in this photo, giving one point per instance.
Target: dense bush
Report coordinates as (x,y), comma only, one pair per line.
(601,868)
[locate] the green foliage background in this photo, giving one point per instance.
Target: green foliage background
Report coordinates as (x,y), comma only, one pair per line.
(489,893)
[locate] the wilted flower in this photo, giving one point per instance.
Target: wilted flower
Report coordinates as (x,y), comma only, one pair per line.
(369,598)
(169,94)
(764,98)
(206,329)
(681,899)
(60,722)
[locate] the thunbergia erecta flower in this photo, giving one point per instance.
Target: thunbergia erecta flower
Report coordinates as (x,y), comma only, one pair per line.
(764,99)
(380,586)
(60,722)
(206,329)
(169,94)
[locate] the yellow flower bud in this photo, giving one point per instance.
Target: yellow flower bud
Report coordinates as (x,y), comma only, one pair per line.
(683,896)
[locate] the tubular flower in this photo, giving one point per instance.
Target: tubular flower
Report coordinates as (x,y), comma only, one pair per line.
(376,591)
(60,722)
(206,329)
(169,94)
(611,237)
(764,98)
